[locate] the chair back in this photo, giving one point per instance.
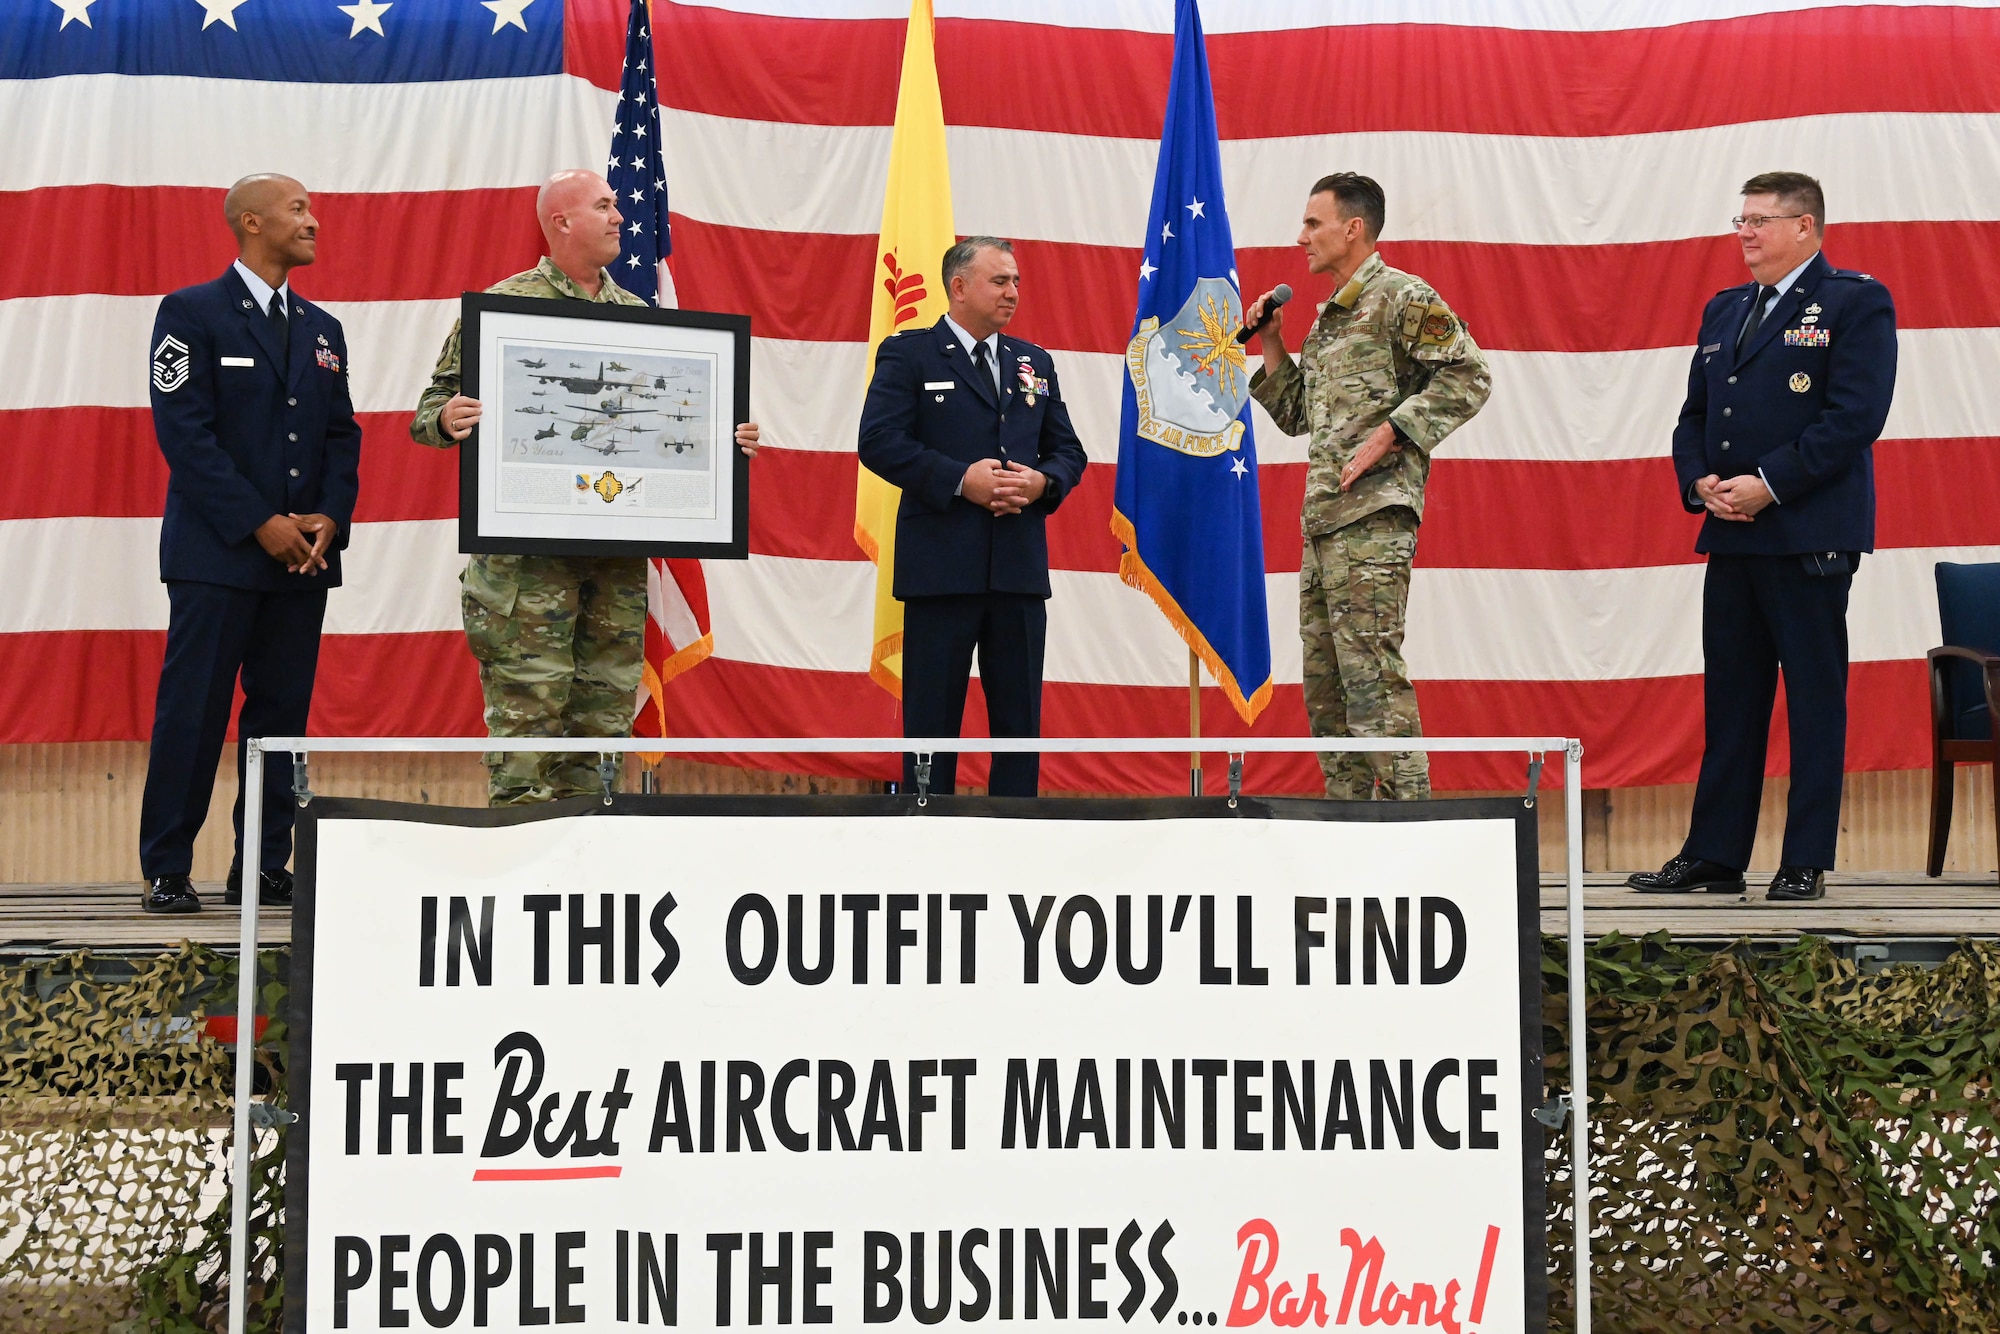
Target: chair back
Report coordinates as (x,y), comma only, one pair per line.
(1969,616)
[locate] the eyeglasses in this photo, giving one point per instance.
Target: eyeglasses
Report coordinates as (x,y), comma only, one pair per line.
(1756,221)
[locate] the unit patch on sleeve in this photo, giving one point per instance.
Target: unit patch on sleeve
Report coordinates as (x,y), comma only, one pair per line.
(1440,326)
(170,364)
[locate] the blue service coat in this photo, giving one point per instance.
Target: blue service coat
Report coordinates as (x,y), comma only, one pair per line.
(930,415)
(1804,402)
(245,437)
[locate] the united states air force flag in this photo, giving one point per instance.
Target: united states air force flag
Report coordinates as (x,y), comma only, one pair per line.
(637,174)
(1186,504)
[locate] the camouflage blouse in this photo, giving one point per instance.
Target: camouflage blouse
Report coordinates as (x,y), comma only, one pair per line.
(1385,348)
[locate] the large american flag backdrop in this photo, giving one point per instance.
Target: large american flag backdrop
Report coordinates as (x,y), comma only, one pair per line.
(1560,171)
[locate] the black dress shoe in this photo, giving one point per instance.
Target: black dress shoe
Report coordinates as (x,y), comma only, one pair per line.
(274,888)
(1684,874)
(1797,884)
(170,893)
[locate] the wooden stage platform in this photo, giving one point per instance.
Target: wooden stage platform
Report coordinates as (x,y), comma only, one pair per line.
(1859,907)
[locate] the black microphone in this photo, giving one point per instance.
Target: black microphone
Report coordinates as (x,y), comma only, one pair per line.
(1279,296)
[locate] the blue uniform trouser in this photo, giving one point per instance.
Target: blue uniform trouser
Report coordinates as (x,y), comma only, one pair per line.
(213,633)
(1761,615)
(940,634)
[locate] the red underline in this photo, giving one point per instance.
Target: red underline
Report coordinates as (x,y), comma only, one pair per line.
(543,1173)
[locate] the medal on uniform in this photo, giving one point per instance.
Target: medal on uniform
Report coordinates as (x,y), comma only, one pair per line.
(1801,382)
(1027,377)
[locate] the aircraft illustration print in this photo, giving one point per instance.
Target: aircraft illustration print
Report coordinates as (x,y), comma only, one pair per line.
(653,410)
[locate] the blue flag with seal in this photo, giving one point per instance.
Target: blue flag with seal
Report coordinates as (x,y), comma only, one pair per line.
(1186,505)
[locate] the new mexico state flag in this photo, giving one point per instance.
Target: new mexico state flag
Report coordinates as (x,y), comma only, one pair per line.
(916,231)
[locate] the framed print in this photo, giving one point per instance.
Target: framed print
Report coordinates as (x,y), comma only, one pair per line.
(606,430)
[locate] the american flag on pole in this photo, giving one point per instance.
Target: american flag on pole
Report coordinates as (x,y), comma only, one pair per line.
(677,623)
(637,175)
(1563,173)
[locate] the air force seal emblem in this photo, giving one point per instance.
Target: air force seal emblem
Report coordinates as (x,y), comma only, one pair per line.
(1188,375)
(170,364)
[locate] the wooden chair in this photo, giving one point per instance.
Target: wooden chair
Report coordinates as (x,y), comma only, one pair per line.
(1965,690)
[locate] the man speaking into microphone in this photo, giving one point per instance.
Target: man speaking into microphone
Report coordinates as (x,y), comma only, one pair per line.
(1386,373)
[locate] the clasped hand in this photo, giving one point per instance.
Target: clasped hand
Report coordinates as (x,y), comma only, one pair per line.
(301,541)
(1001,488)
(1737,499)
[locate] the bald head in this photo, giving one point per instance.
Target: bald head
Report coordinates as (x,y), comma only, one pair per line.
(256,197)
(271,217)
(564,192)
(580,220)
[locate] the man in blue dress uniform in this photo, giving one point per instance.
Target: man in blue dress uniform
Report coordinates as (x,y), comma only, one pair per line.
(1788,392)
(972,426)
(251,407)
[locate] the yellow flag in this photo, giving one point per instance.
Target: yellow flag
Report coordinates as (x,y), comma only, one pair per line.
(916,231)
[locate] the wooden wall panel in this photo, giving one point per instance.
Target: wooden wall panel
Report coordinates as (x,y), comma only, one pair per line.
(70,813)
(1884,823)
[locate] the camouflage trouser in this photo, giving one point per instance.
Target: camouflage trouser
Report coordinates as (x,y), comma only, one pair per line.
(560,640)
(1354,590)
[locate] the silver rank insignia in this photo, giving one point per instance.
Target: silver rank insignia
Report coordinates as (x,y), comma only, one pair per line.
(1801,382)
(170,364)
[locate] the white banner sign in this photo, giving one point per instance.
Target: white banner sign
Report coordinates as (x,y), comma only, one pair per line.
(707,1063)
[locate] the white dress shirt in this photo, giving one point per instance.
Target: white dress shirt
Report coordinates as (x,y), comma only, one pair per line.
(967,341)
(260,291)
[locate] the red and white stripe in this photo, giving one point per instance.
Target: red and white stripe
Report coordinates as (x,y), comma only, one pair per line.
(1560,171)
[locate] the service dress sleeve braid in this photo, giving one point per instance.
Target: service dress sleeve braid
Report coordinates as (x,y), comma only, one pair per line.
(1454,380)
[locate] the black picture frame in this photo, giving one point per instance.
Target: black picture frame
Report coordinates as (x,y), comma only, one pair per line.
(475,537)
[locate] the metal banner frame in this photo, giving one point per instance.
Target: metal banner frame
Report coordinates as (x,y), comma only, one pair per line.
(1534,748)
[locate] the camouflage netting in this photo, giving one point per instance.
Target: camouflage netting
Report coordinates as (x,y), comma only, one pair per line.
(1780,1143)
(115,1142)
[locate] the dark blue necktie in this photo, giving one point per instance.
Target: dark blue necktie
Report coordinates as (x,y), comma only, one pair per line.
(1757,304)
(982,357)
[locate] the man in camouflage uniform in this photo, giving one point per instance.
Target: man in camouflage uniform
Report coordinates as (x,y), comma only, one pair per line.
(560,639)
(1385,375)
